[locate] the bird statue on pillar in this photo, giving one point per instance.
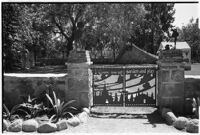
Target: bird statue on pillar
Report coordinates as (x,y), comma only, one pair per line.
(175,35)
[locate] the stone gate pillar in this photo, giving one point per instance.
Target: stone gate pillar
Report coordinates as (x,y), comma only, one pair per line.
(78,78)
(171,81)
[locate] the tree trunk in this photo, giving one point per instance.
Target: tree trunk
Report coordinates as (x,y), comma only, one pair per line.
(70,41)
(35,54)
(153,47)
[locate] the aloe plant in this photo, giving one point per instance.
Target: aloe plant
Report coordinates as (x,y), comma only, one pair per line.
(61,109)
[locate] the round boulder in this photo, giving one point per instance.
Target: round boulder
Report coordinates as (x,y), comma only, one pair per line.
(83,117)
(180,123)
(47,128)
(16,126)
(170,118)
(61,125)
(30,125)
(74,121)
(86,110)
(193,126)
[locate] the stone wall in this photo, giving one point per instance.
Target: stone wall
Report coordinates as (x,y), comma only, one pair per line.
(17,87)
(74,85)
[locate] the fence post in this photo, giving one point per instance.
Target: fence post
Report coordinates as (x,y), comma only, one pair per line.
(124,85)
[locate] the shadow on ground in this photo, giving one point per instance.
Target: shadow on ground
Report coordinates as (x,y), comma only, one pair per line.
(155,118)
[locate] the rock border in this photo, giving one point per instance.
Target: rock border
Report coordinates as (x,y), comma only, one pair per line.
(32,125)
(180,123)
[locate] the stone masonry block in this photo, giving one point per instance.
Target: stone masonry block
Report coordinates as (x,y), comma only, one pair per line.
(165,75)
(177,75)
(75,84)
(172,89)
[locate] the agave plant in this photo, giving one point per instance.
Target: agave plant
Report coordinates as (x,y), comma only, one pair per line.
(11,115)
(61,109)
(32,108)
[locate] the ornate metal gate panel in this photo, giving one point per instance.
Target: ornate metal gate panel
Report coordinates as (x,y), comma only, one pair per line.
(124,86)
(140,87)
(108,86)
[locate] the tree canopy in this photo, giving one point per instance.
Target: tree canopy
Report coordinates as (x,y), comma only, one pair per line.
(191,34)
(50,30)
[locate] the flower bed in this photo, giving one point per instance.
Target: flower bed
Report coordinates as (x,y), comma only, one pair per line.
(44,126)
(32,117)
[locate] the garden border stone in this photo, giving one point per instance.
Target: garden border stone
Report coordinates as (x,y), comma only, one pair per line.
(16,126)
(47,128)
(74,121)
(30,125)
(62,125)
(170,118)
(193,126)
(180,123)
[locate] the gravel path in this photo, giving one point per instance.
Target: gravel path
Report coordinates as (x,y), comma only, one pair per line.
(109,125)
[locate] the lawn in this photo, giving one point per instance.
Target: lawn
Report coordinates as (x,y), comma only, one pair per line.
(195,69)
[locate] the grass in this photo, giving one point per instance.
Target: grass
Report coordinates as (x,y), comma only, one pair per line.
(195,70)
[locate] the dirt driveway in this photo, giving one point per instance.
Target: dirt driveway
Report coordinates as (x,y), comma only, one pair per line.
(110,125)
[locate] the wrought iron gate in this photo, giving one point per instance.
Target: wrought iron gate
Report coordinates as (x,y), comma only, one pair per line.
(124,86)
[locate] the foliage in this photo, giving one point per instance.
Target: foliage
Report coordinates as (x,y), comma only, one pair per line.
(191,34)
(10,27)
(61,109)
(196,104)
(67,22)
(110,26)
(35,29)
(13,113)
(53,30)
(158,19)
(32,109)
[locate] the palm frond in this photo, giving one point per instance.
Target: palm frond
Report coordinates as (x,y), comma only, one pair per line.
(22,110)
(29,98)
(6,109)
(52,117)
(33,99)
(55,98)
(69,108)
(65,113)
(51,101)
(15,108)
(62,104)
(68,103)
(58,102)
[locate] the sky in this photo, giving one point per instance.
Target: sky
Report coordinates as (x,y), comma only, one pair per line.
(184,12)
